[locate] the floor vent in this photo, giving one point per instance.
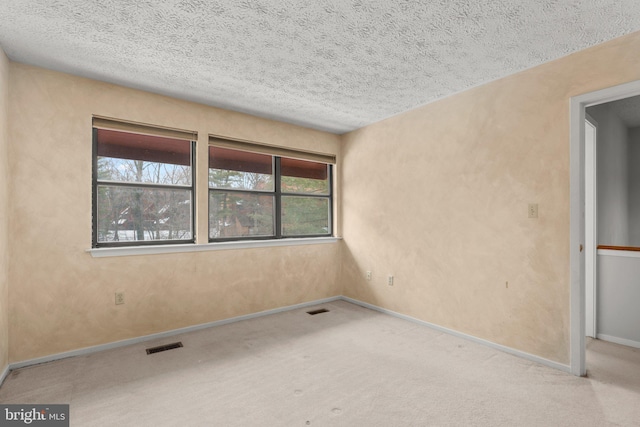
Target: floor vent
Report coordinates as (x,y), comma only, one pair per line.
(164,348)
(320,310)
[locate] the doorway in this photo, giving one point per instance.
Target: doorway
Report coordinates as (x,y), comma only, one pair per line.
(580,169)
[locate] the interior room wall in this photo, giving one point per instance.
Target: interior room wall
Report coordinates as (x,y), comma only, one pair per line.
(618,288)
(62,299)
(618,295)
(4,213)
(612,176)
(633,167)
(438,197)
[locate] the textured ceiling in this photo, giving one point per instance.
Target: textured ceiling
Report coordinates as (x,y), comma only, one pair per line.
(335,65)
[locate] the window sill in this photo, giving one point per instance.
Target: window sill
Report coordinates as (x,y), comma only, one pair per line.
(221,246)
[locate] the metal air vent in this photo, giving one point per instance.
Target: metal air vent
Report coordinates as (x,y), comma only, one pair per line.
(318,311)
(164,347)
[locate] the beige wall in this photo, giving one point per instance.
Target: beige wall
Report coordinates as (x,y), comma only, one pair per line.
(438,197)
(4,211)
(63,299)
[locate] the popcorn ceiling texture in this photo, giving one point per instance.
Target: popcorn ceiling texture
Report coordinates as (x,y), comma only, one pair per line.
(329,64)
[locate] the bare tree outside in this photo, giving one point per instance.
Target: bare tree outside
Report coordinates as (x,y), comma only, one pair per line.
(138,211)
(240,214)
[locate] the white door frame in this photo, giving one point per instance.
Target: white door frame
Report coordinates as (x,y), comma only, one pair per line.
(577,204)
(591,228)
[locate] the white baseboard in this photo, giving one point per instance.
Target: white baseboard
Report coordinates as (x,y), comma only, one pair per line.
(512,351)
(116,344)
(616,340)
(4,374)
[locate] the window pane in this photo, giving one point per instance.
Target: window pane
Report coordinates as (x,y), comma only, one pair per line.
(300,176)
(240,170)
(122,170)
(234,214)
(305,216)
(141,214)
(129,157)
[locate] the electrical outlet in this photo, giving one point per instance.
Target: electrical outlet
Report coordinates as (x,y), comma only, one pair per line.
(369,274)
(119,298)
(533,210)
(390,280)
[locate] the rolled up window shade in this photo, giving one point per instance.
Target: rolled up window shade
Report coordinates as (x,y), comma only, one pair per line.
(255,147)
(149,148)
(236,160)
(143,129)
(303,169)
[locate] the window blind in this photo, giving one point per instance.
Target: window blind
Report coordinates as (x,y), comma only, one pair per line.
(143,129)
(256,147)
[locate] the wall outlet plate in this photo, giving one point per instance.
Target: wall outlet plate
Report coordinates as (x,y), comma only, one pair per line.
(119,298)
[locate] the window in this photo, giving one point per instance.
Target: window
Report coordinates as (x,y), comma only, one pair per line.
(143,184)
(257,195)
(144,188)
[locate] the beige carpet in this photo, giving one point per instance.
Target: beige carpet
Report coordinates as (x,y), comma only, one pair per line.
(348,367)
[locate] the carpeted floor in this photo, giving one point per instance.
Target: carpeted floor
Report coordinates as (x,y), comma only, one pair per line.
(348,367)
